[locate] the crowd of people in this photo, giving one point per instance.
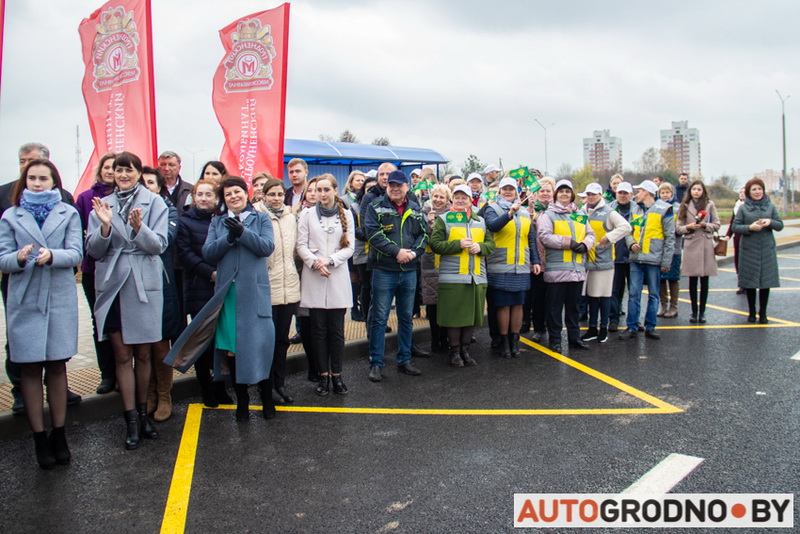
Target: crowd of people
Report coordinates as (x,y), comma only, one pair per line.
(245,263)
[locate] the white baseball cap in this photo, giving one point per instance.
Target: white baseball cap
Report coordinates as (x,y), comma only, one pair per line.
(648,185)
(508,182)
(463,188)
(474,176)
(564,183)
(624,187)
(490,168)
(417,171)
(593,188)
(371,174)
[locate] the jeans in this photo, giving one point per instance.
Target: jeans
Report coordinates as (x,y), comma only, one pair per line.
(388,285)
(642,273)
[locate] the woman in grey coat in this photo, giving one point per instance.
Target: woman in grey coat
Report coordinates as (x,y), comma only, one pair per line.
(40,244)
(756,221)
(127,233)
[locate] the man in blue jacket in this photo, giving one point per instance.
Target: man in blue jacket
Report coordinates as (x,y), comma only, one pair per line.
(397,236)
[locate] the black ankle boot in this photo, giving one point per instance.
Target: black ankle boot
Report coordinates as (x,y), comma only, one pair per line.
(267,404)
(338,385)
(221,392)
(146,425)
(131,430)
(505,344)
(324,386)
(514,345)
(242,402)
(58,444)
(44,455)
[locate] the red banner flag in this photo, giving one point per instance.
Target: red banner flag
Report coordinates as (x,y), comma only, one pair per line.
(250,93)
(118,88)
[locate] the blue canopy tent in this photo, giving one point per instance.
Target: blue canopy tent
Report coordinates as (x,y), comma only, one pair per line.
(340,159)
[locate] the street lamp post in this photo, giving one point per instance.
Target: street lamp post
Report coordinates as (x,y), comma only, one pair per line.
(193,152)
(545,144)
(783,124)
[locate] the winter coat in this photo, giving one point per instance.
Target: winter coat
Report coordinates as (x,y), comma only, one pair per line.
(198,288)
(758,259)
(698,245)
(42,307)
(171,321)
(387,232)
(84,206)
(544,233)
(284,282)
(129,266)
(245,262)
(325,292)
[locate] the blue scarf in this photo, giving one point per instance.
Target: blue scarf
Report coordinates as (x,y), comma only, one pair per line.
(503,203)
(39,204)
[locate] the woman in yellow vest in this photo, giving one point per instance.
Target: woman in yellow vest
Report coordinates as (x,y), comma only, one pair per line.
(567,238)
(460,239)
(512,262)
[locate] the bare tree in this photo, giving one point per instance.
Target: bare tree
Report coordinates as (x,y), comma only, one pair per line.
(327,138)
(348,137)
(381,141)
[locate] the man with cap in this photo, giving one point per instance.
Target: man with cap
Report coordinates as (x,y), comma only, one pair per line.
(396,231)
(651,248)
(630,211)
(609,228)
(491,174)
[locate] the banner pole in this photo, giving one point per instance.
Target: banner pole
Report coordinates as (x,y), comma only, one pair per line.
(152,85)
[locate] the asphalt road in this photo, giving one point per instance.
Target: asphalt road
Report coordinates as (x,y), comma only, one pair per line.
(464,440)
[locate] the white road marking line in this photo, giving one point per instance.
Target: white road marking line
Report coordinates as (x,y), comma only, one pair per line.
(665,475)
(796,356)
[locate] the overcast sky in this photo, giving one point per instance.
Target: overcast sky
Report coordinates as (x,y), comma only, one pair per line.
(460,77)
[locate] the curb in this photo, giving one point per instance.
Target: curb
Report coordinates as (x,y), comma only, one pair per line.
(94,406)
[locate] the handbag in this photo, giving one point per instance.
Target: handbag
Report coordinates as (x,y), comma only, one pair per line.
(720,245)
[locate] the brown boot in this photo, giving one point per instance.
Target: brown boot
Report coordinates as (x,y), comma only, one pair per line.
(163,389)
(662,296)
(152,398)
(674,291)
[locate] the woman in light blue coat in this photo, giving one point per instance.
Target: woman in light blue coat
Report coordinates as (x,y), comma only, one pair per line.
(40,244)
(126,235)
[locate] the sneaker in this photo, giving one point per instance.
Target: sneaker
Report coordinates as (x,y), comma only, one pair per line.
(652,334)
(602,336)
(628,333)
(613,326)
(590,335)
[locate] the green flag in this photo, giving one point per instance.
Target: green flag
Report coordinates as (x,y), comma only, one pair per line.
(577,217)
(532,184)
(522,172)
(490,195)
(637,220)
(456,217)
(424,185)
(608,196)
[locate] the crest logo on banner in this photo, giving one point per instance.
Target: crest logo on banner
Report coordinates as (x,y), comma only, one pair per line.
(248,67)
(114,53)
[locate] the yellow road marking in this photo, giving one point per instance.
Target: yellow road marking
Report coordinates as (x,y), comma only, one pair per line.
(662,406)
(174,521)
(740,312)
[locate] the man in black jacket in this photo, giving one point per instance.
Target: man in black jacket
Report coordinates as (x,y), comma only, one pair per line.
(179,189)
(397,234)
(27,153)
